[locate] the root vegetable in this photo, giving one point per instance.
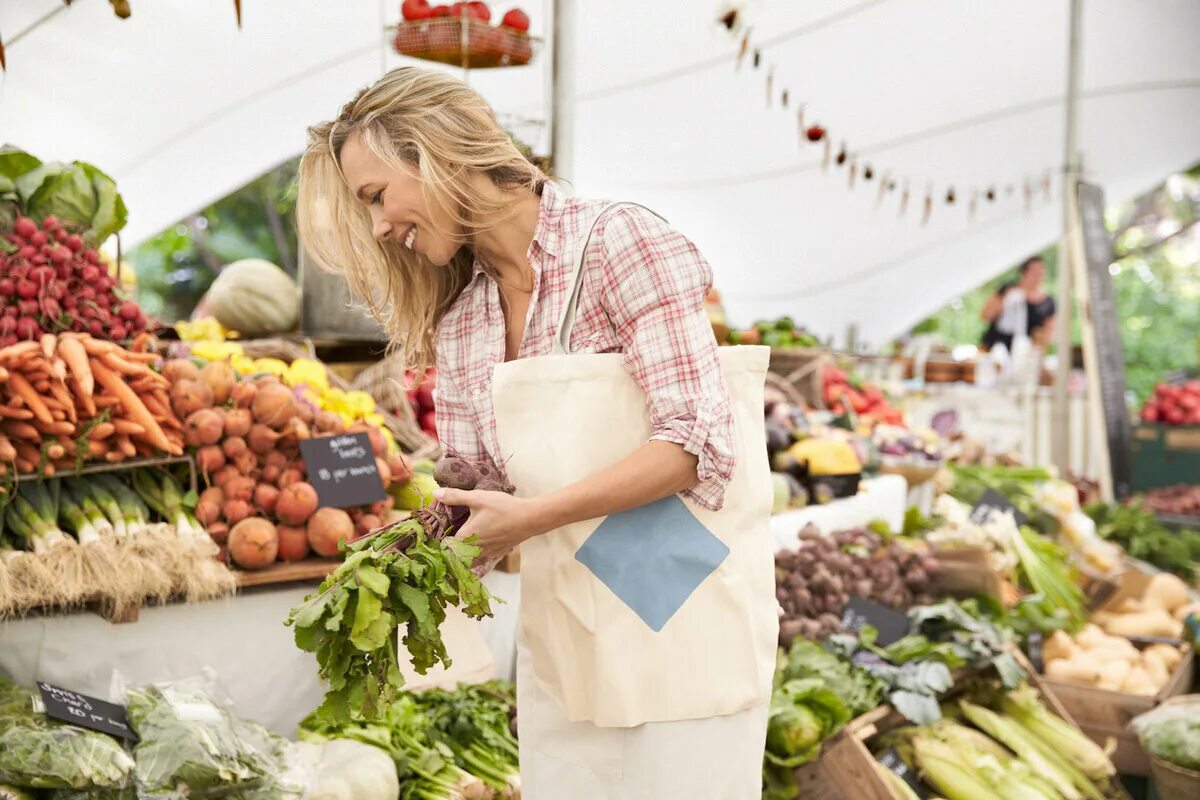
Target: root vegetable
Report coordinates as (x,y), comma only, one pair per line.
(239,488)
(238,422)
(188,397)
(242,394)
(253,543)
(367,523)
(271,474)
(220,377)
(385,472)
(378,443)
(455,473)
(1165,591)
(233,447)
(399,468)
(234,511)
(275,459)
(218,532)
(328,528)
(180,369)
(265,497)
(1156,622)
(289,476)
(297,503)
(202,427)
(246,463)
(208,511)
(293,543)
(224,475)
(261,438)
(210,459)
(274,406)
(328,422)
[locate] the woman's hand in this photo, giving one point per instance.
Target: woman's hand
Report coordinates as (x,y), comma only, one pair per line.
(500,520)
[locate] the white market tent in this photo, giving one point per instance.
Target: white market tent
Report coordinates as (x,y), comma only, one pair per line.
(181,108)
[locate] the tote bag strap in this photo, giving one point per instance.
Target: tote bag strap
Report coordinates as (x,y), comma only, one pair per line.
(562,335)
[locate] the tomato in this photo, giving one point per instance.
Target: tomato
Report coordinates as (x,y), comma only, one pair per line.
(415,10)
(518,20)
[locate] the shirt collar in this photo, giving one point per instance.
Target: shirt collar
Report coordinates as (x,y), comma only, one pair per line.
(547,234)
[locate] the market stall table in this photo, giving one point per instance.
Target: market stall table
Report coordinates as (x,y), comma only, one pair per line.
(243,639)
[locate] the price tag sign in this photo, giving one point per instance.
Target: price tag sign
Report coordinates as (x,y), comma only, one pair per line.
(342,469)
(994,501)
(895,764)
(891,625)
(86,712)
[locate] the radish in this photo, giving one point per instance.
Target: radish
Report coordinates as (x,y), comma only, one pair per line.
(25,228)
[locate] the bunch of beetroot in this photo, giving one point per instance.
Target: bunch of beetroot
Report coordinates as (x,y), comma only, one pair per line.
(54,282)
(246,436)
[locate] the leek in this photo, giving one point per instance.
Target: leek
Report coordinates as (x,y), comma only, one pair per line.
(106,502)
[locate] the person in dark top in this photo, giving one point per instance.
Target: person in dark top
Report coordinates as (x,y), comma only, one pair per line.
(1039,307)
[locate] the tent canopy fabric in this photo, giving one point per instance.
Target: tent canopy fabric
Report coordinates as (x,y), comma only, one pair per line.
(181,108)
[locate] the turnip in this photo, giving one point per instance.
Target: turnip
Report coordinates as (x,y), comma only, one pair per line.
(210,459)
(385,472)
(297,502)
(289,476)
(253,543)
(271,474)
(203,427)
(261,438)
(188,396)
(218,532)
(234,446)
(367,523)
(265,497)
(220,378)
(274,405)
(243,394)
(247,464)
(238,422)
(328,422)
(327,529)
(235,511)
(293,543)
(239,488)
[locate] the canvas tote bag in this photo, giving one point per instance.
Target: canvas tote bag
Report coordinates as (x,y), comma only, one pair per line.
(666,612)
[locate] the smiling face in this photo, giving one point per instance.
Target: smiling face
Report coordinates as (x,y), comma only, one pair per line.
(397,205)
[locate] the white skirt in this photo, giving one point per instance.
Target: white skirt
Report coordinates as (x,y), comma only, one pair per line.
(715,759)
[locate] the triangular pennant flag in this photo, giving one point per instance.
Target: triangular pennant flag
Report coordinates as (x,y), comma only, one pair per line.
(770,84)
(745,46)
(853,171)
(904,199)
(237,10)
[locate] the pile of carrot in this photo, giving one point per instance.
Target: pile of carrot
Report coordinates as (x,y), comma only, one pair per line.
(70,398)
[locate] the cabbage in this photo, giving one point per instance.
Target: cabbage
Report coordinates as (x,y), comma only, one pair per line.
(803,714)
(79,194)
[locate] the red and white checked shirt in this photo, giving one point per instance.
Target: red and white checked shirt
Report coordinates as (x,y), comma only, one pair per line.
(643,296)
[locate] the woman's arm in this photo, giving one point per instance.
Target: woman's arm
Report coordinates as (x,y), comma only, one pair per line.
(993,307)
(655,470)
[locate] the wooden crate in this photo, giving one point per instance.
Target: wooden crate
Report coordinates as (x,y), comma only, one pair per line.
(846,769)
(965,572)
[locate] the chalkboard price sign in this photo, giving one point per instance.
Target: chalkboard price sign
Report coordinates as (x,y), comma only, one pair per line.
(891,625)
(342,469)
(86,712)
(892,760)
(994,501)
(1102,308)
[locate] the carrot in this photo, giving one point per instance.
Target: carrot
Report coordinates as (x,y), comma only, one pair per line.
(155,404)
(105,401)
(18,352)
(21,430)
(7,451)
(143,449)
(96,449)
(49,342)
(58,414)
(63,427)
(64,398)
(73,353)
(58,368)
(25,467)
(42,385)
(25,392)
(16,401)
(102,430)
(114,456)
(48,470)
(141,358)
(141,343)
(98,347)
(122,366)
(128,427)
(169,424)
(3,374)
(55,450)
(125,445)
(84,396)
(135,409)
(15,413)
(27,452)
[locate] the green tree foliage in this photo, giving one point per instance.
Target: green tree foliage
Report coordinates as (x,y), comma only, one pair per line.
(176,267)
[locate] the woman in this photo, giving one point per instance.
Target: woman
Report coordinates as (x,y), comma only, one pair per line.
(471,258)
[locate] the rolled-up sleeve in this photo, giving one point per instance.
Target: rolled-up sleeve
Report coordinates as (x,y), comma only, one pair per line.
(457,430)
(654,285)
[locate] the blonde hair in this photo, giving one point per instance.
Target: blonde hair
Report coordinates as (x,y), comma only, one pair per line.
(433,122)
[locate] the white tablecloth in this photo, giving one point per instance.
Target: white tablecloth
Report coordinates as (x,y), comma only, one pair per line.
(243,639)
(884,497)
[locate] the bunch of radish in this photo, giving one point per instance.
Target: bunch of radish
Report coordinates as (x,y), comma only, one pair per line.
(246,436)
(420,397)
(52,282)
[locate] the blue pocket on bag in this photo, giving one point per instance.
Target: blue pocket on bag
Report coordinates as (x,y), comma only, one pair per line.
(653,557)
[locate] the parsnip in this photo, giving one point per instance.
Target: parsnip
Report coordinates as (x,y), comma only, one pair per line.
(1079,669)
(1156,669)
(1114,673)
(1165,591)
(1059,645)
(1139,682)
(1156,622)
(1171,656)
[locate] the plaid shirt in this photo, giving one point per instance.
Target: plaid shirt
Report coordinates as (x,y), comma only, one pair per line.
(643,296)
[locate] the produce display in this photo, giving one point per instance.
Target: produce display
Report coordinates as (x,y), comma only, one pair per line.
(53,216)
(783,333)
(435,32)
(245,433)
(402,574)
(1094,658)
(844,394)
(445,744)
(814,582)
(1171,732)
(1159,611)
(1140,533)
(1175,501)
(1174,404)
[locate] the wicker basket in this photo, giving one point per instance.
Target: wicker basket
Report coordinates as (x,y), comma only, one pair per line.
(1174,781)
(464,42)
(777,387)
(802,367)
(408,434)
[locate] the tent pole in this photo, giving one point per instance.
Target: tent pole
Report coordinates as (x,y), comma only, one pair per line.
(1061,429)
(562,94)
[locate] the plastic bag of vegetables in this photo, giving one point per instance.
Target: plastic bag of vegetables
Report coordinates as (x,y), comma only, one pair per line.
(192,746)
(38,752)
(1171,732)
